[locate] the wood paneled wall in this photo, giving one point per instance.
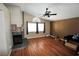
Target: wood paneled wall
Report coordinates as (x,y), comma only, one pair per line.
(65,27)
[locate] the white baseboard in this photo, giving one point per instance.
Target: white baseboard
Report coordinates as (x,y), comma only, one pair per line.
(38,36)
(52,36)
(10,52)
(47,35)
(35,37)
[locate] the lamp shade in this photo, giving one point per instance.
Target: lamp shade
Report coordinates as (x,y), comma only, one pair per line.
(36,19)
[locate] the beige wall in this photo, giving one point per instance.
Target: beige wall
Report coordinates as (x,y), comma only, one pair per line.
(29,17)
(5,31)
(65,27)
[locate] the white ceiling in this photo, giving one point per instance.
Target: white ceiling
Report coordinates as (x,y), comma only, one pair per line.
(63,10)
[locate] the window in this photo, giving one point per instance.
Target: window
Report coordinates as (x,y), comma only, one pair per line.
(40,27)
(31,27)
(35,27)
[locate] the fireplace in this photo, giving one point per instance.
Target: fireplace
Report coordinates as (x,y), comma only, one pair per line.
(17,38)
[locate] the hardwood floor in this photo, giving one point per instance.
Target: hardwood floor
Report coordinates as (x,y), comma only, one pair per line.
(45,46)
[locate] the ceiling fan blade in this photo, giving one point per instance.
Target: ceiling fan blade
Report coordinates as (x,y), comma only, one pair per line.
(48,13)
(54,14)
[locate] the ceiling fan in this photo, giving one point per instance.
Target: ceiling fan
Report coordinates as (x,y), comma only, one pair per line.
(48,13)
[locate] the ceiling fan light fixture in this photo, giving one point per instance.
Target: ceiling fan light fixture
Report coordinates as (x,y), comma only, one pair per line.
(48,13)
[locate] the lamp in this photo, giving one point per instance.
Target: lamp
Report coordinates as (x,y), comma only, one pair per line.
(36,19)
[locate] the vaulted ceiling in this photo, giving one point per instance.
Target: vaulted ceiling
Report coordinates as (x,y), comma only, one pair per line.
(63,10)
